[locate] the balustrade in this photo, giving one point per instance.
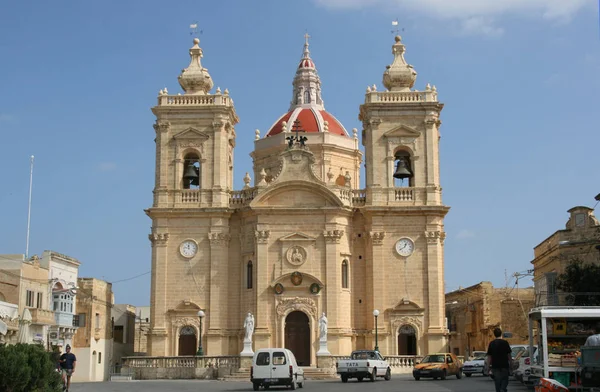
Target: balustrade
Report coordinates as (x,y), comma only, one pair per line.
(194,100)
(182,362)
(404,96)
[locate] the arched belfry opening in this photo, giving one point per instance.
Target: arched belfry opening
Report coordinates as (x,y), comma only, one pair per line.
(403,173)
(407,340)
(191,171)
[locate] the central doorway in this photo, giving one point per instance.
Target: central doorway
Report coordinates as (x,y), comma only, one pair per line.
(187,341)
(297,336)
(407,340)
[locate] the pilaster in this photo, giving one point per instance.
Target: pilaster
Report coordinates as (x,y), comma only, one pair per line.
(377,282)
(158,300)
(333,265)
(162,129)
(435,280)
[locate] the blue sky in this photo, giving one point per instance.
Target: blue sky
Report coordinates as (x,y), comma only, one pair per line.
(519,145)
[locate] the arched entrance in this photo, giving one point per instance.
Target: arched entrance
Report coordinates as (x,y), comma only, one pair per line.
(407,340)
(187,341)
(297,336)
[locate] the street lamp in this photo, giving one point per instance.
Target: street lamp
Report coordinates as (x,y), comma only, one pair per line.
(200,350)
(376,313)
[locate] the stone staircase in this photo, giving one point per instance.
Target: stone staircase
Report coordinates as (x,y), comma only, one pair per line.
(310,373)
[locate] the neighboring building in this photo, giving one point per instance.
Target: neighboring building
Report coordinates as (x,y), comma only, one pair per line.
(473,313)
(577,241)
(142,326)
(123,320)
(9,321)
(305,239)
(25,283)
(93,340)
(63,272)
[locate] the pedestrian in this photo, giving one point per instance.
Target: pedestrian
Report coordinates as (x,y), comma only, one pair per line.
(499,357)
(68,362)
(593,340)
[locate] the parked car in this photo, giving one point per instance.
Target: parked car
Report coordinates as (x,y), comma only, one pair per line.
(364,364)
(475,365)
(275,366)
(438,365)
(525,363)
(478,354)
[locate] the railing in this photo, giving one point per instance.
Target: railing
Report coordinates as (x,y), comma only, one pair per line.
(407,96)
(553,298)
(243,197)
(182,362)
(194,100)
(41,316)
(359,197)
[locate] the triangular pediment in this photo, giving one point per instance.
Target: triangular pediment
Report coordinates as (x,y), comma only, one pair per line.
(402,130)
(191,133)
(407,305)
(297,237)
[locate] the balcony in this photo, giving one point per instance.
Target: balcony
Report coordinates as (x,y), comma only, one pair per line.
(42,316)
(63,319)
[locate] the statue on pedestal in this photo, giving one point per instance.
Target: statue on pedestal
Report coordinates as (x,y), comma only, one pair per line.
(323,327)
(249,326)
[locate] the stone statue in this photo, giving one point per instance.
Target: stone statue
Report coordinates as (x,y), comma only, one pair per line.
(297,257)
(249,326)
(323,327)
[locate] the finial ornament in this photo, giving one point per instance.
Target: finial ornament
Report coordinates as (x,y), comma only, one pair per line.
(247,180)
(399,76)
(256,134)
(195,79)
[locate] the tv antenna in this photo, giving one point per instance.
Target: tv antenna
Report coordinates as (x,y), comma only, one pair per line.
(194,29)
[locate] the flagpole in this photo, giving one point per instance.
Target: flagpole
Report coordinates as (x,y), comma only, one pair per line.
(29,206)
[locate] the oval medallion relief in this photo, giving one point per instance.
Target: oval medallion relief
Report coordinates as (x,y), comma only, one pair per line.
(296,255)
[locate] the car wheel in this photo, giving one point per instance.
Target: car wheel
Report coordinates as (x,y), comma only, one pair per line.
(373,374)
(344,378)
(443,375)
(359,379)
(266,386)
(459,374)
(293,385)
(467,374)
(255,386)
(301,384)
(417,378)
(388,375)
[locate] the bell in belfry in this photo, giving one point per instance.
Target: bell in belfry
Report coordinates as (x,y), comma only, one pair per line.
(191,175)
(402,171)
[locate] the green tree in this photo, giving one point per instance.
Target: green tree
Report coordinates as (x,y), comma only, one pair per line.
(581,283)
(28,368)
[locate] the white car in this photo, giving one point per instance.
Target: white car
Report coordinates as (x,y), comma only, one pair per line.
(362,364)
(275,366)
(475,366)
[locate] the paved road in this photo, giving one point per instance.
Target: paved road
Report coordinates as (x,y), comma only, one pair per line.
(398,383)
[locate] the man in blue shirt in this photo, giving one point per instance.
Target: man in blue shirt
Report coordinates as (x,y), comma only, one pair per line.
(68,362)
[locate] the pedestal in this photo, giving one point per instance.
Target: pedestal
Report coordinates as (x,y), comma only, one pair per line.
(247,351)
(323,351)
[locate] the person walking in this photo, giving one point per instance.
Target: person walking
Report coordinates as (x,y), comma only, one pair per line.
(68,361)
(499,357)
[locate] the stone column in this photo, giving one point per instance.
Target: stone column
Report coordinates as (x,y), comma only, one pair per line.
(333,265)
(162,129)
(262,332)
(436,330)
(157,338)
(216,343)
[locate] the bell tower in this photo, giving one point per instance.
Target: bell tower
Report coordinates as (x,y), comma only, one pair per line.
(403,195)
(190,213)
(195,138)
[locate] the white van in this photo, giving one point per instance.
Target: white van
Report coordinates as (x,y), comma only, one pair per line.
(275,366)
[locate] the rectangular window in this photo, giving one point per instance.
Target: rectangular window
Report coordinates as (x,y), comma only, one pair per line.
(118,334)
(79,320)
(97,320)
(39,301)
(99,357)
(29,299)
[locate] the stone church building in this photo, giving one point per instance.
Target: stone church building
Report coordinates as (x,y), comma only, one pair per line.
(302,239)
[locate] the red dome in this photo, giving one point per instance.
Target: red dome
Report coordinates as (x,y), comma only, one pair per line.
(306,63)
(311,120)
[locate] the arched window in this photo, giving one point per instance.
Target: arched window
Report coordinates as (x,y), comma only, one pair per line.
(403,170)
(249,275)
(344,274)
(191,172)
(307,96)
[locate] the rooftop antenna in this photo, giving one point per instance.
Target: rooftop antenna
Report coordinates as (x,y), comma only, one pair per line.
(194,29)
(29,205)
(397,28)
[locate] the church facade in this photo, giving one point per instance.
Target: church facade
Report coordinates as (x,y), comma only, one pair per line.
(302,239)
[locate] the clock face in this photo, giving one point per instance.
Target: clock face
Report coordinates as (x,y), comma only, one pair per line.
(188,248)
(405,247)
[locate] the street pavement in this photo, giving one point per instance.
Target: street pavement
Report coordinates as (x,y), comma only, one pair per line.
(403,383)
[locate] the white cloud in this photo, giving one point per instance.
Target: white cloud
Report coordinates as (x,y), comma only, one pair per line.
(107,166)
(464,234)
(476,16)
